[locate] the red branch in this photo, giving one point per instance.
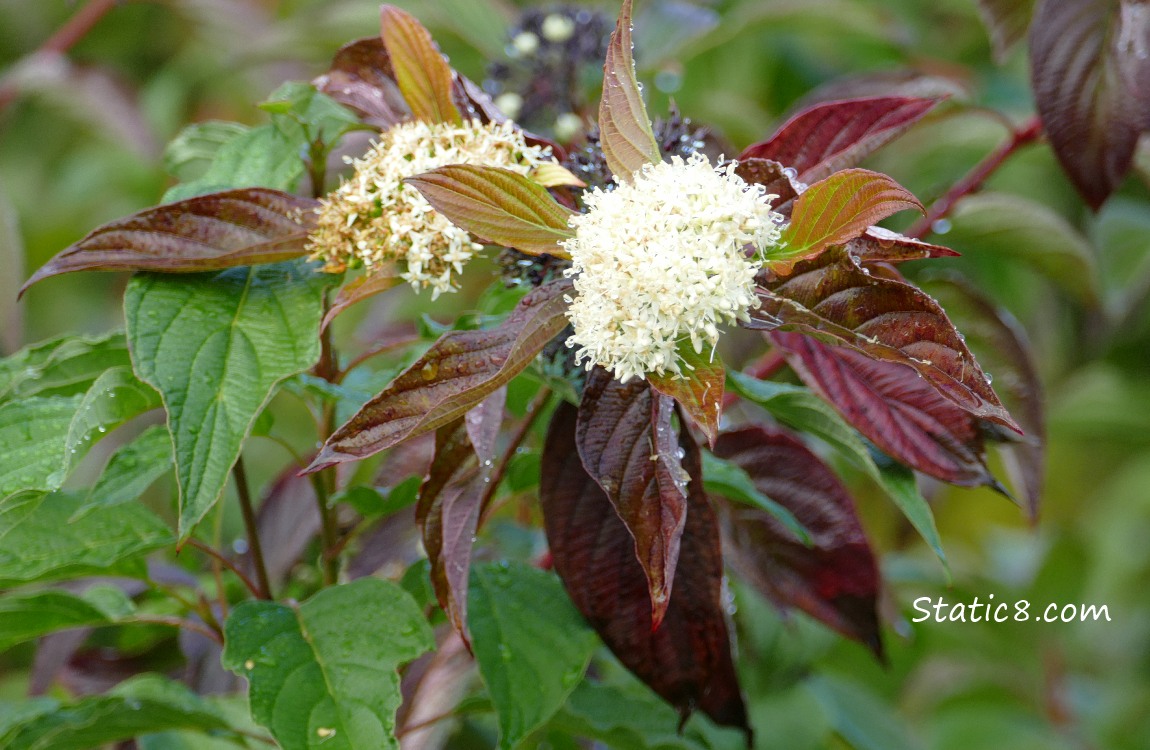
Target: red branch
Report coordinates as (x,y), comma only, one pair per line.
(66,37)
(973,181)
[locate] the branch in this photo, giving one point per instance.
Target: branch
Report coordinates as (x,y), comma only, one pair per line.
(240,475)
(217,556)
(973,181)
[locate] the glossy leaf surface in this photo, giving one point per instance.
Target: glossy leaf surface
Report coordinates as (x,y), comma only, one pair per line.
(624,128)
(423,75)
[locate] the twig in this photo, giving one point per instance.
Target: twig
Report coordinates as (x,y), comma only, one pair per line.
(220,558)
(239,473)
(175,622)
(66,37)
(324,481)
(973,181)
(533,412)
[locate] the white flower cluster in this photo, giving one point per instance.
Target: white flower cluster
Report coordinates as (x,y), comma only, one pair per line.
(374,219)
(664,260)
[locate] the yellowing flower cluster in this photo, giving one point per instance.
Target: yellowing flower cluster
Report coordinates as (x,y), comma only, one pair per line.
(374,219)
(665,260)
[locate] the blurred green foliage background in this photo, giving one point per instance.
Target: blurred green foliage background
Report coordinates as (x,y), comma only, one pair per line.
(82,143)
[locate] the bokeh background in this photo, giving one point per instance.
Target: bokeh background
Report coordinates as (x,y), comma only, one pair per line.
(82,139)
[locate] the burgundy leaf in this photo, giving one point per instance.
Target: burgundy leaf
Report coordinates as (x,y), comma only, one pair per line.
(206,233)
(894,408)
(776,178)
(461,369)
(687,660)
(625,132)
(835,210)
(1090,68)
(837,301)
(499,206)
(835,579)
(448,514)
(1003,346)
(627,443)
(483,423)
(423,75)
(832,136)
(368,285)
(878,245)
(361,77)
(287,523)
(1006,21)
(699,390)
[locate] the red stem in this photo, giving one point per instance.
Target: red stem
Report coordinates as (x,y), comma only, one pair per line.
(66,37)
(1026,134)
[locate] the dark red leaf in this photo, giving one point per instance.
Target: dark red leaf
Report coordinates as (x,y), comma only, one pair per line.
(361,77)
(1002,345)
(835,579)
(206,233)
(448,514)
(287,523)
(1090,68)
(832,136)
(627,443)
(625,132)
(483,423)
(461,369)
(687,660)
(776,178)
(838,302)
(878,245)
(894,408)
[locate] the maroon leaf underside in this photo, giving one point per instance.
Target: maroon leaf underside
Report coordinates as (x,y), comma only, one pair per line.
(459,370)
(832,136)
(205,233)
(894,408)
(687,659)
(836,578)
(879,245)
(838,302)
(627,443)
(776,178)
(1090,70)
(1003,347)
(448,514)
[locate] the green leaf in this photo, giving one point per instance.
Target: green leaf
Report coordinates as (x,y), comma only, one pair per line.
(132,469)
(31,615)
(62,366)
(900,485)
(722,477)
(626,136)
(268,156)
(215,346)
(40,542)
(499,206)
(1010,228)
(531,644)
(141,705)
(699,390)
(323,119)
(193,150)
(858,716)
(323,673)
(835,210)
(424,77)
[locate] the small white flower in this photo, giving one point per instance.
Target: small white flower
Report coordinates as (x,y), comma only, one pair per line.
(374,219)
(665,260)
(557,28)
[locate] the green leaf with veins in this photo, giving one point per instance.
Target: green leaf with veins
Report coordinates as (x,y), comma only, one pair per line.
(25,616)
(531,644)
(215,346)
(62,366)
(40,542)
(132,469)
(323,673)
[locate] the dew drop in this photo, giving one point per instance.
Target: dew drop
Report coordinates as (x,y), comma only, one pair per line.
(942,226)
(429,371)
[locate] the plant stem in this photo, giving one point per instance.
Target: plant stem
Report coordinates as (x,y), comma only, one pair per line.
(324,481)
(240,474)
(533,412)
(66,37)
(176,622)
(220,558)
(1025,134)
